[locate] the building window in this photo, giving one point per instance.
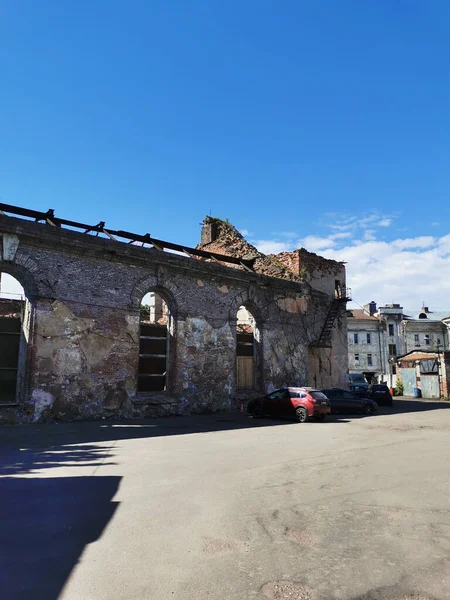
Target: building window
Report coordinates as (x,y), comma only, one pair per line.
(369,360)
(392,350)
(417,339)
(427,340)
(155,328)
(245,349)
(16,321)
(356,359)
(391,329)
(439,341)
(355,338)
(369,338)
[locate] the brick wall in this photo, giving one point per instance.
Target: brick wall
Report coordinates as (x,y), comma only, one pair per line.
(83,339)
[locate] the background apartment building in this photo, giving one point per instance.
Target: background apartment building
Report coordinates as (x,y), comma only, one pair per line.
(377,337)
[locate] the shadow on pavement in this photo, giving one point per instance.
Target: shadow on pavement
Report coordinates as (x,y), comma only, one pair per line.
(407,405)
(46,436)
(45,523)
(83,432)
(17,460)
(30,438)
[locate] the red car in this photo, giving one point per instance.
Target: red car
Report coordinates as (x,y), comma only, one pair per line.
(296,402)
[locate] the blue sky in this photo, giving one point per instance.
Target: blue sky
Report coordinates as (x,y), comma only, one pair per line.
(297,121)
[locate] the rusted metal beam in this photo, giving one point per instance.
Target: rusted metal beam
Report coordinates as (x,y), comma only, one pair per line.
(49,218)
(111,237)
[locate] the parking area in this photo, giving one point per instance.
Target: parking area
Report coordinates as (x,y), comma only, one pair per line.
(227,507)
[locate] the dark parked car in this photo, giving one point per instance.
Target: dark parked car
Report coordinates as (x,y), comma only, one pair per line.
(343,401)
(380,393)
(294,402)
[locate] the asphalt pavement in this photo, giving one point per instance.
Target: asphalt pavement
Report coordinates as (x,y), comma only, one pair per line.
(226,507)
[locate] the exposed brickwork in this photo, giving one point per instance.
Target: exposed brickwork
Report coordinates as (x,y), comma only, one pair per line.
(220,236)
(83,320)
(301,262)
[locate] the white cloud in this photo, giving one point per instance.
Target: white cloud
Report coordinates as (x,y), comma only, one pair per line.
(404,270)
(314,243)
(424,241)
(369,234)
(244,232)
(340,236)
(401,271)
(272,246)
(354,223)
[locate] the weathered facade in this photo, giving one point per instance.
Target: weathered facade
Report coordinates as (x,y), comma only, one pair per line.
(80,342)
(378,336)
(425,370)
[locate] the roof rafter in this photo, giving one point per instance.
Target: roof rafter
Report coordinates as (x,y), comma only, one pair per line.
(50,219)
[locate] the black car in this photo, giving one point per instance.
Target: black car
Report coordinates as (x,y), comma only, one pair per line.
(343,401)
(380,393)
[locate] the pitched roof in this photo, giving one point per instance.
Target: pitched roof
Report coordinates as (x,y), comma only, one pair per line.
(359,313)
(431,316)
(421,355)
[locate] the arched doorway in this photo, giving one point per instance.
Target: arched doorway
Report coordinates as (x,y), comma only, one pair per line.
(154,339)
(247,338)
(15,326)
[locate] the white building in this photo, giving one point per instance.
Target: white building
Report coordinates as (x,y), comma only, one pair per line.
(377,337)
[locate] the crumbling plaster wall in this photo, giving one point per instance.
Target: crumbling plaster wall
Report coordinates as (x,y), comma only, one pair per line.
(326,367)
(85,293)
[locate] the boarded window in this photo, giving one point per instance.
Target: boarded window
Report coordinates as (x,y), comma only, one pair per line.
(245,349)
(10,332)
(153,344)
(13,337)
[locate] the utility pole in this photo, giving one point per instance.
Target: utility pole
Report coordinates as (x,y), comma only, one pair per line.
(439,367)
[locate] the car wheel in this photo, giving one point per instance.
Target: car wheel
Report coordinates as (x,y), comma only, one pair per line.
(302,414)
(257,412)
(320,417)
(368,410)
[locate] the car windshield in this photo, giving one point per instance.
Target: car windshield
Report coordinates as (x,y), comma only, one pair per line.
(318,395)
(358,379)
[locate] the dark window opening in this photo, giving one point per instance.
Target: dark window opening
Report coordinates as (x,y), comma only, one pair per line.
(337,289)
(355,338)
(369,360)
(392,350)
(15,319)
(391,329)
(153,344)
(369,338)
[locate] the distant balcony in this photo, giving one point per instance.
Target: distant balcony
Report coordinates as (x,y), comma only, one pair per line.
(343,293)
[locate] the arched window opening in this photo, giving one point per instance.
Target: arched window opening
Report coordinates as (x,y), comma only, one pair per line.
(153,344)
(15,324)
(245,350)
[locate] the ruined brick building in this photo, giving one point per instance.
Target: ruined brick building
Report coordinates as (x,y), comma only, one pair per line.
(125,325)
